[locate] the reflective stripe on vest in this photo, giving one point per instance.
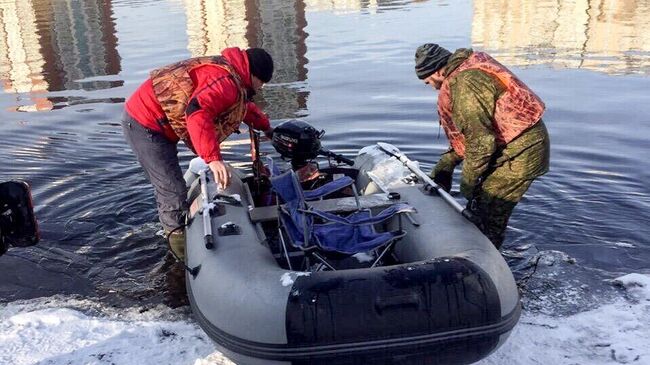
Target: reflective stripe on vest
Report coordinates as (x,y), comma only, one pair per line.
(517,109)
(173,88)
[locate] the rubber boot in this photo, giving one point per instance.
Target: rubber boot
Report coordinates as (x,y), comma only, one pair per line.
(177,244)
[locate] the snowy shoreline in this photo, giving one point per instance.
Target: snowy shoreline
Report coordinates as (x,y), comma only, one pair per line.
(61,330)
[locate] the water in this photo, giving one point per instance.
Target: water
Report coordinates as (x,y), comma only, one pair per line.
(347,67)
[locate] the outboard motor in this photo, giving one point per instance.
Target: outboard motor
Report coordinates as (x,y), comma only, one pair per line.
(18,225)
(300,142)
(297,141)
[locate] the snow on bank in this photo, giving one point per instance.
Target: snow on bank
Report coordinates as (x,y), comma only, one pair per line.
(55,331)
(52,332)
(617,333)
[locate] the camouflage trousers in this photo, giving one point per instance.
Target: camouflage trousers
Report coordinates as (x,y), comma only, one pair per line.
(493,203)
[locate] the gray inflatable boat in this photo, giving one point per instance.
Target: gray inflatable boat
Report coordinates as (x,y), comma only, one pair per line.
(440,293)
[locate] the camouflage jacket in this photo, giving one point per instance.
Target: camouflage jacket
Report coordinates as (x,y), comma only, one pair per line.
(475,94)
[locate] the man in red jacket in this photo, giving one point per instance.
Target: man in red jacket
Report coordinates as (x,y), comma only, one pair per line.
(200,101)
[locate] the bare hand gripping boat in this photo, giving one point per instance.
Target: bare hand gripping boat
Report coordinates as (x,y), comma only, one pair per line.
(342,264)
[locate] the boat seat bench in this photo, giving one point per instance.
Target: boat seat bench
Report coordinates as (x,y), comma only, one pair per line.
(339,205)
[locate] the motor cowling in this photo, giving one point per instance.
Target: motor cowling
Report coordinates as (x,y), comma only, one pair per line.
(297,140)
(18,226)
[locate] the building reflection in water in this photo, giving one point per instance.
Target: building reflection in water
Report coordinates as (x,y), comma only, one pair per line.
(52,45)
(602,35)
(340,5)
(279,27)
(347,6)
(276,25)
(213,25)
(21,63)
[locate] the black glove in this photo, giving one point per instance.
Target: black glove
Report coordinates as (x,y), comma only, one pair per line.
(443,178)
(444,170)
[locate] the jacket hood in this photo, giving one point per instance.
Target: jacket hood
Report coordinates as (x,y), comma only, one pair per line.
(239,61)
(458,57)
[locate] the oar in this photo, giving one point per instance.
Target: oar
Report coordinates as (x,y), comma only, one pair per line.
(338,158)
(395,152)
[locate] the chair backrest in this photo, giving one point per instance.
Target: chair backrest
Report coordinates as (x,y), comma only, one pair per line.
(286,185)
(349,235)
(329,188)
(273,168)
(297,225)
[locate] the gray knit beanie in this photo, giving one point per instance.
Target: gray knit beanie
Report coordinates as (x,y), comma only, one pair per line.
(430,58)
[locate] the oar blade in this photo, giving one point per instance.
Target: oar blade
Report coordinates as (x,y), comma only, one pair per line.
(389,148)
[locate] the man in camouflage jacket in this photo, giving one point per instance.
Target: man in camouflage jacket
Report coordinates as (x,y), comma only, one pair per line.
(493,122)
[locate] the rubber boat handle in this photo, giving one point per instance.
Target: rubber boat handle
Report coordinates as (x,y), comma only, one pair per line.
(395,152)
(383,304)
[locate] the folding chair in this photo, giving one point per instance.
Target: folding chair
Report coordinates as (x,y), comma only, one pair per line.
(337,234)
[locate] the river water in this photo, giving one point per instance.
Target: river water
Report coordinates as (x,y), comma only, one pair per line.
(346,66)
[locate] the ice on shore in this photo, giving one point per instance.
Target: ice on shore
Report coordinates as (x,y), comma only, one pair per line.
(72,331)
(615,333)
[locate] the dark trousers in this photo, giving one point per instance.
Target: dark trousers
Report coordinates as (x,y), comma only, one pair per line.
(159,159)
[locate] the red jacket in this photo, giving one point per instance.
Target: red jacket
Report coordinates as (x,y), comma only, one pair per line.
(215,94)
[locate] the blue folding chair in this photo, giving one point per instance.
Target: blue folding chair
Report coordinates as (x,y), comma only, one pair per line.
(348,235)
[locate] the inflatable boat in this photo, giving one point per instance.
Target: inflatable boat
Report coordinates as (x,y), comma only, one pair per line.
(339,261)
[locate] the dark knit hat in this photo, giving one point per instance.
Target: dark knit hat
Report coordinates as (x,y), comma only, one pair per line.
(260,64)
(430,58)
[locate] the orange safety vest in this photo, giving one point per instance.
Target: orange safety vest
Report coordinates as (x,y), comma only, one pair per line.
(173,88)
(517,109)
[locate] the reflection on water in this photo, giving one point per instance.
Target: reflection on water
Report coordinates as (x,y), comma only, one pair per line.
(344,6)
(53,45)
(279,27)
(276,25)
(21,62)
(215,25)
(353,60)
(603,35)
(340,5)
